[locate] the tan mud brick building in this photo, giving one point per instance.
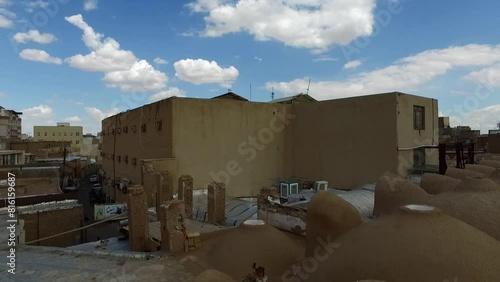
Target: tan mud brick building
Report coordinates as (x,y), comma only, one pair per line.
(250,145)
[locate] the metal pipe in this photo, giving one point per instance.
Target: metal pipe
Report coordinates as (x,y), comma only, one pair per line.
(418,147)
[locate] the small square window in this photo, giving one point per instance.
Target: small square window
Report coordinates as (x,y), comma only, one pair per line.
(78,134)
(38,134)
(45,134)
(71,134)
(77,142)
(143,127)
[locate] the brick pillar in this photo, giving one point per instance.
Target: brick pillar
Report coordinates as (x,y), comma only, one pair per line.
(185,190)
(172,226)
(217,203)
(138,221)
(164,190)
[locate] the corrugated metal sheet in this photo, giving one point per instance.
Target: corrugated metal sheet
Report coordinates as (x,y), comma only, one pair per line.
(237,211)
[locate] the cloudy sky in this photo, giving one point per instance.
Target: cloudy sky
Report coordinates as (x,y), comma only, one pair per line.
(83,60)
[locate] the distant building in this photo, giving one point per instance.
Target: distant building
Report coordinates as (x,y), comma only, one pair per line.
(12,157)
(493,131)
(41,149)
(61,132)
(90,146)
(300,98)
(10,126)
(249,145)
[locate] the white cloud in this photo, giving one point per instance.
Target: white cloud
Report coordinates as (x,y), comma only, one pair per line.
(89,5)
(324,59)
(485,118)
(171,92)
(141,77)
(489,76)
(34,35)
(403,75)
(352,64)
(32,6)
(121,68)
(37,112)
(39,56)
(73,119)
(315,24)
(202,71)
(6,16)
(98,115)
(3,95)
(160,61)
(258,58)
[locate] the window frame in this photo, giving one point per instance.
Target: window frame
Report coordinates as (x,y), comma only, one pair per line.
(416,110)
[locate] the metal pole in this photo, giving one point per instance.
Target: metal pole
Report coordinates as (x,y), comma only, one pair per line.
(63,168)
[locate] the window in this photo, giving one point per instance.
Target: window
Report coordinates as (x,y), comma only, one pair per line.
(158,125)
(78,134)
(119,159)
(126,159)
(53,134)
(125,129)
(65,134)
(38,134)
(45,134)
(418,118)
(419,157)
(143,127)
(133,128)
(134,161)
(77,141)
(119,130)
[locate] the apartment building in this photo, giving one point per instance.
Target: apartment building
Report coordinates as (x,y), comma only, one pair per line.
(249,145)
(63,131)
(10,126)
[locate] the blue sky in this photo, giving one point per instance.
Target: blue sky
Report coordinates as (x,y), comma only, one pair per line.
(80,61)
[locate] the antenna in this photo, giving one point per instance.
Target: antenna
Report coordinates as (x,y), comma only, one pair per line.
(272,93)
(250,91)
(308,85)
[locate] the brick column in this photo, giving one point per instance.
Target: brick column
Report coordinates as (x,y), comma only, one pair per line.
(164,190)
(185,191)
(172,226)
(138,221)
(217,203)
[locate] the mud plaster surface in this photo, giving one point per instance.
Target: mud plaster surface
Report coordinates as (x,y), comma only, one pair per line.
(412,247)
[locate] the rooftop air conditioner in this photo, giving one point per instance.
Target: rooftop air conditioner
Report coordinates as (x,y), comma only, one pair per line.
(320,185)
(288,188)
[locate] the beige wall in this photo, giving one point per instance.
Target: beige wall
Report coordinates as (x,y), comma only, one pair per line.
(211,142)
(73,134)
(347,142)
(408,137)
(152,144)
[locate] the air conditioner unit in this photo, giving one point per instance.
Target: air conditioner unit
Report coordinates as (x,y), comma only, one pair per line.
(288,188)
(320,185)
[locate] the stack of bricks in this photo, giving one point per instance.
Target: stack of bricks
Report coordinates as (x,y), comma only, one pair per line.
(173,237)
(217,203)
(164,190)
(138,221)
(185,189)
